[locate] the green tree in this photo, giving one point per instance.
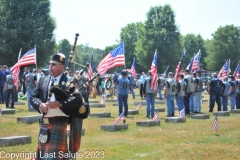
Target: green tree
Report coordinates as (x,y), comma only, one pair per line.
(161,33)
(192,44)
(65,48)
(24,24)
(129,35)
(224,45)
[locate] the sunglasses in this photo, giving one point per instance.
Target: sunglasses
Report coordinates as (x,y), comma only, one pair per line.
(53,64)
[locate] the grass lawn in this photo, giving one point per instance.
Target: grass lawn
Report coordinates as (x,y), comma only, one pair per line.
(194,139)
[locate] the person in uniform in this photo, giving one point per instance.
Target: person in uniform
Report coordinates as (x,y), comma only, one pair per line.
(238,93)
(123,85)
(170,92)
(150,96)
(30,84)
(189,90)
(197,94)
(226,87)
(132,84)
(215,91)
(232,92)
(9,88)
(181,88)
(54,125)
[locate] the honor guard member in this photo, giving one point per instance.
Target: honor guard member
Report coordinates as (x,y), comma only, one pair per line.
(170,92)
(150,96)
(9,88)
(189,90)
(238,92)
(30,84)
(181,88)
(25,72)
(123,84)
(142,79)
(160,86)
(226,87)
(2,81)
(232,92)
(197,94)
(83,91)
(52,138)
(132,84)
(215,91)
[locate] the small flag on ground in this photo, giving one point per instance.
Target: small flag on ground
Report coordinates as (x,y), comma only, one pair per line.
(140,105)
(182,113)
(155,118)
(121,116)
(102,99)
(215,124)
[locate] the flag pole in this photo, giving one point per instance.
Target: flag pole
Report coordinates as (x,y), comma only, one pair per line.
(36,58)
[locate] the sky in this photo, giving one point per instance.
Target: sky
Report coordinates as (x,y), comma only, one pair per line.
(99,22)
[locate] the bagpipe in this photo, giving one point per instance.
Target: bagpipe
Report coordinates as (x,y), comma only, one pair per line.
(70,91)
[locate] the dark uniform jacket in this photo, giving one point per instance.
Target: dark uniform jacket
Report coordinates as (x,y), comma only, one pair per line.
(69,106)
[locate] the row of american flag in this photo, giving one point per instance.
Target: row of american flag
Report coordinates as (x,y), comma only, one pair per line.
(156,118)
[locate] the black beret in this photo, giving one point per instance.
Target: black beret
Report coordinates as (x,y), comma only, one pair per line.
(59,58)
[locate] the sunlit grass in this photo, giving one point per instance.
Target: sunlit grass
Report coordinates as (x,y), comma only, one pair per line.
(194,139)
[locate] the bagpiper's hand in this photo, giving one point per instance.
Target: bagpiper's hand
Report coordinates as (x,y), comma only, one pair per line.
(43,108)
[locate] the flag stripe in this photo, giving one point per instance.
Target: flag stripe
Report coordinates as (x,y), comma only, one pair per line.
(121,116)
(114,58)
(154,84)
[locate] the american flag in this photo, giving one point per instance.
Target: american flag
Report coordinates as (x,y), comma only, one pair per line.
(133,69)
(189,67)
(154,84)
(27,59)
(225,69)
(179,66)
(237,71)
(182,113)
(155,117)
(121,116)
(102,99)
(140,105)
(165,72)
(215,124)
(196,61)
(16,71)
(114,58)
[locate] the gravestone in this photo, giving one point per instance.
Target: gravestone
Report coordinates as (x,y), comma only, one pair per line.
(159,110)
(29,119)
(200,116)
(204,100)
(148,123)
(82,133)
(115,104)
(113,128)
(19,103)
(175,120)
(8,111)
(235,111)
(101,115)
(97,105)
(14,140)
(93,101)
(110,100)
(222,113)
(32,110)
(144,102)
(133,112)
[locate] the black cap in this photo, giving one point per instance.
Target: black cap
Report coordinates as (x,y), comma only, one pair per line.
(59,58)
(231,76)
(124,73)
(186,70)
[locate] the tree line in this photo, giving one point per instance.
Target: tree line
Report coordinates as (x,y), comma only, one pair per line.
(24,24)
